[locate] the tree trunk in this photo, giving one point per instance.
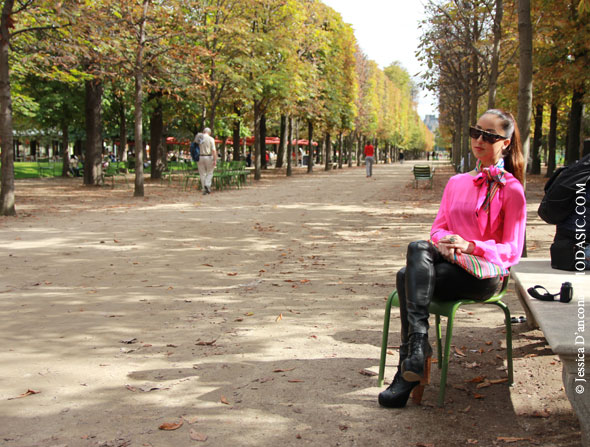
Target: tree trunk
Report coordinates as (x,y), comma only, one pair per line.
(537,136)
(138,113)
(236,134)
(263,141)
(257,115)
(309,146)
(465,143)
(290,147)
(65,155)
(7,206)
(157,142)
(93,152)
(497,28)
(350,146)
(122,130)
(340,149)
(574,125)
(525,76)
(283,142)
(328,164)
(552,140)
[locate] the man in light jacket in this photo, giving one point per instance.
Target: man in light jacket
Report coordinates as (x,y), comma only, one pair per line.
(208,159)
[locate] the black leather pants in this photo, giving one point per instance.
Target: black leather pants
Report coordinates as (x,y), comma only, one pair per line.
(426,275)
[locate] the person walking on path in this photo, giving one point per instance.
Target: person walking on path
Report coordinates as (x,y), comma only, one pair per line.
(369,159)
(208,159)
(482,214)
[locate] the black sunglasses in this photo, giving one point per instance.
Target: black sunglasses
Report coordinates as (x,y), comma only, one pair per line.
(488,137)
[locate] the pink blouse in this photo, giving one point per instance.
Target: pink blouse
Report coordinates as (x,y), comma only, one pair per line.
(502,241)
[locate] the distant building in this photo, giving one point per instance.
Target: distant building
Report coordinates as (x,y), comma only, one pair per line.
(431,122)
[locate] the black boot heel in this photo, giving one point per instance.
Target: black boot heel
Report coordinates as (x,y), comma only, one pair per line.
(419,390)
(418,361)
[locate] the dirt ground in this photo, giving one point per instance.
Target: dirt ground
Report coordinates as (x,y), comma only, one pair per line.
(253,317)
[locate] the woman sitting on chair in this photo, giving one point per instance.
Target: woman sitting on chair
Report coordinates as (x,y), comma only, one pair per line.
(481,219)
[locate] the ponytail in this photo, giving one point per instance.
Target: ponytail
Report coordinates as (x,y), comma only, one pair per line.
(513,158)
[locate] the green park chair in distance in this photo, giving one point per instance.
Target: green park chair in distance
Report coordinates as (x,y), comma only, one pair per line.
(448,309)
(114,170)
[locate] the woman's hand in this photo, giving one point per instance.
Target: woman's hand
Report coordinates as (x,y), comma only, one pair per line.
(453,243)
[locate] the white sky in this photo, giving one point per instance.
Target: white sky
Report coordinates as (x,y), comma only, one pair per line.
(387,31)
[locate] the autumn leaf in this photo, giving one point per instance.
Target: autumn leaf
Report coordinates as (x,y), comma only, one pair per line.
(366,372)
(478,396)
(459,352)
(196,436)
(191,420)
(249,314)
(484,384)
(508,439)
(25,394)
(279,318)
(541,414)
(295,381)
(496,381)
(171,425)
(224,400)
(477,379)
(232,274)
(205,343)
(282,370)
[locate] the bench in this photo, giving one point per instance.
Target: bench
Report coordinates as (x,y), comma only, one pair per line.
(423,173)
(563,326)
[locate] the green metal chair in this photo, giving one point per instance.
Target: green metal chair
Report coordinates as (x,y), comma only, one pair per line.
(448,309)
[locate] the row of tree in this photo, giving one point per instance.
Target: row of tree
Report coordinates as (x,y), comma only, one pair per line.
(84,70)
(478,52)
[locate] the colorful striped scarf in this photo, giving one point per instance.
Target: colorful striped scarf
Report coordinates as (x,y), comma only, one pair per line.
(489,180)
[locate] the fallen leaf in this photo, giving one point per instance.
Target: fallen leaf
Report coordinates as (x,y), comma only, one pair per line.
(131,388)
(484,384)
(477,379)
(196,436)
(130,341)
(343,427)
(478,396)
(489,343)
(224,400)
(541,414)
(295,381)
(282,370)
(171,425)
(171,346)
(205,343)
(459,352)
(510,439)
(472,441)
(249,314)
(279,318)
(466,409)
(191,420)
(496,381)
(366,372)
(232,274)
(207,265)
(25,394)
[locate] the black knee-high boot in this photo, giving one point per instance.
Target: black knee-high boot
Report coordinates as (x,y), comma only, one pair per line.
(397,393)
(419,288)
